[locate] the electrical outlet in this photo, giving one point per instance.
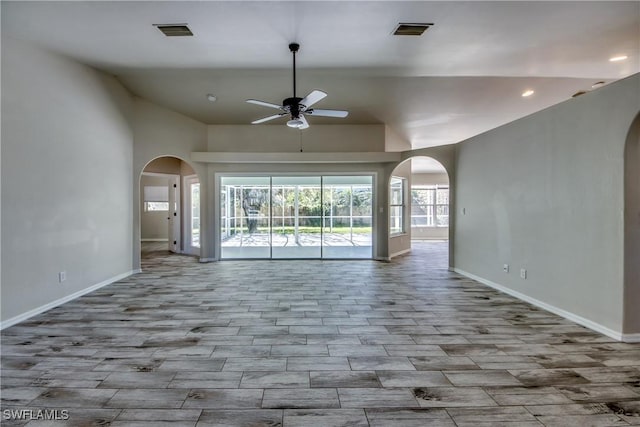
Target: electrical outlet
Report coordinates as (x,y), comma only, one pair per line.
(523,273)
(62,276)
(505,268)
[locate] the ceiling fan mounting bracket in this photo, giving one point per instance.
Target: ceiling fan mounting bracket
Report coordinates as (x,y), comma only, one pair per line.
(294,47)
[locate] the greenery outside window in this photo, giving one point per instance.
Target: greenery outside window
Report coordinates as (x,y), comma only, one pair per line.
(397,205)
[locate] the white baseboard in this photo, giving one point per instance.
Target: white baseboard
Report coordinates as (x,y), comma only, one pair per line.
(618,336)
(631,338)
(203,260)
(155,240)
(24,316)
(402,252)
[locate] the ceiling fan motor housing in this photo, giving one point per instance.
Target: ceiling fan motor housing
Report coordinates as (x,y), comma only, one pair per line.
(292,105)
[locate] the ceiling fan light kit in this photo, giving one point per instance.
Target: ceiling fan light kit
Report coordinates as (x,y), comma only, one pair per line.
(295,123)
(297,107)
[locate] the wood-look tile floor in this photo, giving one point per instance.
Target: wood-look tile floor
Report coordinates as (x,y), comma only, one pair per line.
(314,343)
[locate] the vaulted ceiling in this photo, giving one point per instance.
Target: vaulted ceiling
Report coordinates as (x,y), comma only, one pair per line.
(464,76)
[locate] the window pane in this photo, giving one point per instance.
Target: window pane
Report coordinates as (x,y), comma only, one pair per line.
(396,223)
(246,217)
(195,215)
(443,196)
(396,191)
(347,217)
(443,216)
(156,206)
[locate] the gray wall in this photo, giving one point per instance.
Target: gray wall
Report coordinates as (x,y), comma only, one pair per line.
(66,178)
(159,132)
(632,230)
(281,139)
(545,193)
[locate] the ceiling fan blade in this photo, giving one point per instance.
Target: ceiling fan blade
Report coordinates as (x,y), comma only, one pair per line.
(305,123)
(264,104)
(312,98)
(266,119)
(327,113)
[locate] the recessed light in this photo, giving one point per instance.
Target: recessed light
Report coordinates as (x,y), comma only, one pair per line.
(597,84)
(527,93)
(618,58)
(211,97)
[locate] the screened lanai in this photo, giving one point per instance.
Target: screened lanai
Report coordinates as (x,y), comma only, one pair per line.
(322,216)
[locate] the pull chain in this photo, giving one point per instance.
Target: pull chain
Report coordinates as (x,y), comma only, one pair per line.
(300,133)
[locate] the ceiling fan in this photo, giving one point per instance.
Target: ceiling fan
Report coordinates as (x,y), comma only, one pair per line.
(297,107)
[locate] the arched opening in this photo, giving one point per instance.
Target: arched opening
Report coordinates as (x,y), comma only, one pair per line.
(631,320)
(419,209)
(169,206)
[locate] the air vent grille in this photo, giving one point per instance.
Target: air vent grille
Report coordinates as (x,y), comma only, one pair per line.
(175,30)
(407,29)
(578,93)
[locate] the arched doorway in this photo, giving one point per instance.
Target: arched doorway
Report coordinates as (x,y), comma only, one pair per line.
(419,208)
(169,207)
(631,321)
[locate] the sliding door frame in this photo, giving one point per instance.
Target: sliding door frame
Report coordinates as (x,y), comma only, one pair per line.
(217,208)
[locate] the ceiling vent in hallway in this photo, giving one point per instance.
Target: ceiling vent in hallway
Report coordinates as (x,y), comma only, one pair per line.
(406,29)
(174,30)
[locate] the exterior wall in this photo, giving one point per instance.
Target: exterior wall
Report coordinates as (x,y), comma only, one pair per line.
(67,180)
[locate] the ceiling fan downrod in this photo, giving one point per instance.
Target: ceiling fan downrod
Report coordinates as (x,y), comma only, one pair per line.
(294,47)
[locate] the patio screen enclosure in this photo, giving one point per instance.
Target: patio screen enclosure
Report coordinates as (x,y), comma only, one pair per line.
(296,216)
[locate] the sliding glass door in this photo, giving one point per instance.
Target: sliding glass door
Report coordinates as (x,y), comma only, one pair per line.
(245,217)
(348,217)
(296,217)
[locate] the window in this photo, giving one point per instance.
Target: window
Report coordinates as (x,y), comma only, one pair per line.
(195,214)
(156,198)
(396,220)
(430,206)
(156,206)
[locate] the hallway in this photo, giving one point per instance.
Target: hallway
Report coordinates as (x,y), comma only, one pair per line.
(317,343)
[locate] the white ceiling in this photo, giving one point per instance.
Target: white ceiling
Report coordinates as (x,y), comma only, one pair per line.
(464,76)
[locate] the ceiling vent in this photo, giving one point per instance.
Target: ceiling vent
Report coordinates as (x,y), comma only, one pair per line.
(578,93)
(406,29)
(174,30)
